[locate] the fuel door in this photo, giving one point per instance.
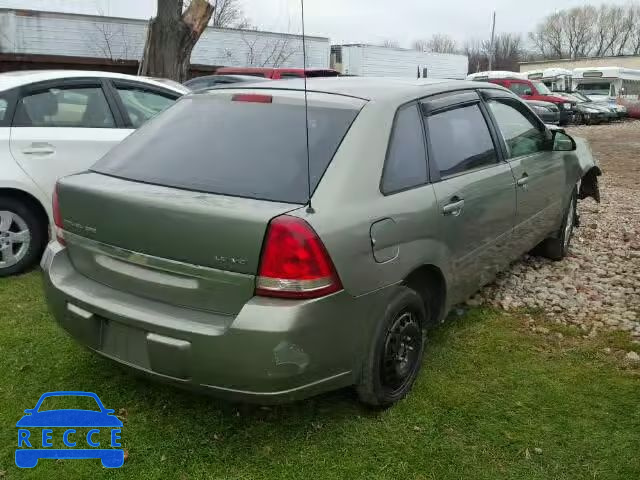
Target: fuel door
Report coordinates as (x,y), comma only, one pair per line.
(384,243)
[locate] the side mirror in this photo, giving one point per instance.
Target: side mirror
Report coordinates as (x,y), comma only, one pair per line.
(528,92)
(563,142)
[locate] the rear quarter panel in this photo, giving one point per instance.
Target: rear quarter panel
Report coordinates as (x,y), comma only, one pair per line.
(348,201)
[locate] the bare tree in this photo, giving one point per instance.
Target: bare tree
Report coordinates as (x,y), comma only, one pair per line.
(577,24)
(274,52)
(605,34)
(478,60)
(438,43)
(110,40)
(629,23)
(508,52)
(549,36)
(390,44)
(419,45)
(634,37)
(171,36)
(587,31)
(228,14)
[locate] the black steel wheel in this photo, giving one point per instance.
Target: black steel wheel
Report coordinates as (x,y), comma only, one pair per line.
(400,356)
(395,357)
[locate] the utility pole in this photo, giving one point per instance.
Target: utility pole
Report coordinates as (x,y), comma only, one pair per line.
(491,45)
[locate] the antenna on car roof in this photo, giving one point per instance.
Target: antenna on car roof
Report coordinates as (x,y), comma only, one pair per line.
(306,109)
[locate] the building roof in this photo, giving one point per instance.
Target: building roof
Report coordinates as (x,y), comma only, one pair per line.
(371,88)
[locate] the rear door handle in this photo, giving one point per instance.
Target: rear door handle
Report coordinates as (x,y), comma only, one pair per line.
(39,149)
(454,208)
(523,181)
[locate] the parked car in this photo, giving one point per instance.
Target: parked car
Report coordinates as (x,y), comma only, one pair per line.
(592,115)
(589,113)
(548,112)
(265,278)
(54,123)
(211,81)
(278,73)
(616,112)
(534,90)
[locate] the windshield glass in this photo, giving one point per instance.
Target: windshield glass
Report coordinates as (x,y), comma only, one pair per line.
(601,88)
(211,144)
(581,96)
(542,88)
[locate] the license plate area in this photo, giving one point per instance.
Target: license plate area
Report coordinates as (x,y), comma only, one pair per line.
(125,343)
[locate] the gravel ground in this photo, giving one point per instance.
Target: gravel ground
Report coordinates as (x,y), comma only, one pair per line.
(598,286)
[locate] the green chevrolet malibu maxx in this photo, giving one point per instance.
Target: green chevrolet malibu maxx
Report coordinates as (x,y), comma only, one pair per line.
(227,247)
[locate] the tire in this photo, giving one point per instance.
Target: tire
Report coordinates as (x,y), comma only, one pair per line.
(557,247)
(19,253)
(391,368)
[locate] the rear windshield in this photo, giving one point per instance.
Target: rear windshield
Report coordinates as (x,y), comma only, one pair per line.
(211,144)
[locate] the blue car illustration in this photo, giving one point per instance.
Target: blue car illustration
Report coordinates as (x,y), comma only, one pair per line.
(68,418)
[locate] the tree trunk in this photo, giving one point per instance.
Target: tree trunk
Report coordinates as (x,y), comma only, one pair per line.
(171,37)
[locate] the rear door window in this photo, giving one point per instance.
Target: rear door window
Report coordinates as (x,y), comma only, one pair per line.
(212,144)
(406,164)
(460,141)
(78,107)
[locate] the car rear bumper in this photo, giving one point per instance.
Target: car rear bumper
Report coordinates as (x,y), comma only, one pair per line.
(272,351)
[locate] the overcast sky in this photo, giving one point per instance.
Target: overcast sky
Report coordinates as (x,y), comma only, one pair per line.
(365,21)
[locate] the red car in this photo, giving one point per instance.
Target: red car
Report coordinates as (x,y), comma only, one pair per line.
(532,90)
(277,73)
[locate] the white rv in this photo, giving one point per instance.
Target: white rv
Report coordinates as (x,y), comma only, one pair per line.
(557,79)
(607,83)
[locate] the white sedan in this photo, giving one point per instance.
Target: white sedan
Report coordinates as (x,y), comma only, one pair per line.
(54,123)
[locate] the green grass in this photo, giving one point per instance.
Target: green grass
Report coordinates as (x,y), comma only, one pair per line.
(489,395)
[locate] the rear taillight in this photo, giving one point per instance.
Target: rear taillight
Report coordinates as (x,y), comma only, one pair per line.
(57,218)
(294,262)
(252,98)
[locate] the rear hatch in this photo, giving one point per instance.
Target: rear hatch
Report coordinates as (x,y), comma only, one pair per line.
(178,212)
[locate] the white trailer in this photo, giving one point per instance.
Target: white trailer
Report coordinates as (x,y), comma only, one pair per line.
(373,61)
